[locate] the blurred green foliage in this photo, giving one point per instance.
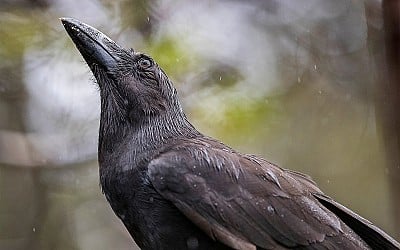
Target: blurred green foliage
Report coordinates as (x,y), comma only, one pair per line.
(170,55)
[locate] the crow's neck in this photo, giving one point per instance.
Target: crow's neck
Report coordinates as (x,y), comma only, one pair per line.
(148,134)
(157,130)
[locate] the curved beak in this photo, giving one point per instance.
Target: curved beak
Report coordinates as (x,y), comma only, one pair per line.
(95,47)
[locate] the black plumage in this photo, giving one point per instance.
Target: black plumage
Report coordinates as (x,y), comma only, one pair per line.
(175,188)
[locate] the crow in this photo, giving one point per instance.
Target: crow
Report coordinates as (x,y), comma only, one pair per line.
(175,188)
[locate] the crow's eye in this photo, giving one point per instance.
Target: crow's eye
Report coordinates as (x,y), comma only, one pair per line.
(144,63)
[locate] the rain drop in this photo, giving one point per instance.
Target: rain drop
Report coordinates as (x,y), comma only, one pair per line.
(192,243)
(270,209)
(33,229)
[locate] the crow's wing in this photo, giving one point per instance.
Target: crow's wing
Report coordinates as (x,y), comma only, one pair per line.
(246,202)
(374,236)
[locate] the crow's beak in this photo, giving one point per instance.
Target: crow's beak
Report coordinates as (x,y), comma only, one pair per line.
(95,47)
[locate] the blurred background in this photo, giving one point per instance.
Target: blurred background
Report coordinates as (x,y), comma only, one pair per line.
(311,85)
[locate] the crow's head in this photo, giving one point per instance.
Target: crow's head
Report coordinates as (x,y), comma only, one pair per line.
(133,87)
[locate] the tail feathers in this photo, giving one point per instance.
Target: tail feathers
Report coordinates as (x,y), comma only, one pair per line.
(375,237)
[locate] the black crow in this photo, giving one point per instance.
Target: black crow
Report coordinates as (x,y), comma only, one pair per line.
(175,188)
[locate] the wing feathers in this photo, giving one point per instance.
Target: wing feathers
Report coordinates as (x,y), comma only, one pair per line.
(373,235)
(246,202)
